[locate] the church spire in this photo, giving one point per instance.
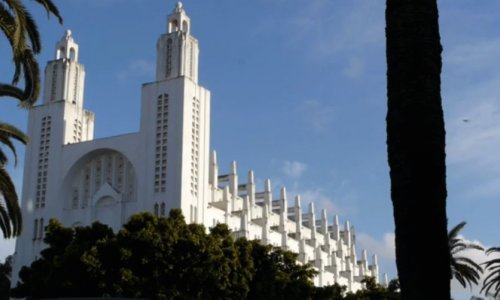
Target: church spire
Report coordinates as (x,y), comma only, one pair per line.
(177,49)
(178,20)
(65,76)
(66,48)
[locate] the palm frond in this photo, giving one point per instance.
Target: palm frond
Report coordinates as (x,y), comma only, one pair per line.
(4,221)
(492,249)
(11,212)
(19,42)
(11,131)
(8,90)
(455,230)
(8,132)
(29,95)
(22,33)
(33,34)
(464,269)
(51,9)
(31,78)
(492,281)
(9,27)
(492,264)
(466,261)
(3,158)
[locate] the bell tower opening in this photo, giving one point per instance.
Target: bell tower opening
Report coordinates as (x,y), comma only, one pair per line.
(173,26)
(177,49)
(185,26)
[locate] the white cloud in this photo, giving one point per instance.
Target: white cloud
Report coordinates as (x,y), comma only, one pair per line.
(293,169)
(137,68)
(472,109)
(474,56)
(384,248)
(317,115)
(321,201)
(355,67)
(474,119)
(331,28)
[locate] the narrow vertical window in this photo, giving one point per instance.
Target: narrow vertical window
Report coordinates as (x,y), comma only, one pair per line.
(86,187)
(191,213)
(162,211)
(108,169)
(75,86)
(160,175)
(41,230)
(35,229)
(191,59)
(169,57)
(98,175)
(75,199)
(53,86)
(156,209)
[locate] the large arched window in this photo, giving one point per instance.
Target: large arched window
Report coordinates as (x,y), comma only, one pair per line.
(106,167)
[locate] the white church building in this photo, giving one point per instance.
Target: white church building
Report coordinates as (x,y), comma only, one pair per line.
(70,176)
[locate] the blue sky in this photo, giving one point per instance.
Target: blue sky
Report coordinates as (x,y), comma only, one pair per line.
(299,96)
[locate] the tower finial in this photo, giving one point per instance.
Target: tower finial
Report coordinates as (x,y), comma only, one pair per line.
(178,6)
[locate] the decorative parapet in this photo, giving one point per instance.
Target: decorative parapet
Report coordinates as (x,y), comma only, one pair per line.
(256,215)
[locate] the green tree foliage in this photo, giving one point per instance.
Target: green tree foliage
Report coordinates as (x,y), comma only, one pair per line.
(416,147)
(277,275)
(5,271)
(165,258)
(21,32)
(374,291)
(492,281)
(330,292)
(463,268)
(161,258)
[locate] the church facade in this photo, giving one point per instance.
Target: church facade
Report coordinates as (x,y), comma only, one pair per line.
(71,176)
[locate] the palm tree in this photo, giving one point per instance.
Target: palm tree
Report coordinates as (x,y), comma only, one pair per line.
(416,148)
(492,281)
(10,213)
(21,31)
(464,269)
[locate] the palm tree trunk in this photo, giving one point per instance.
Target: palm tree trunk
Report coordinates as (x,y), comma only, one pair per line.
(416,148)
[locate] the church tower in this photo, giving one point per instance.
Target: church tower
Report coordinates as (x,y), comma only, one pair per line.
(60,120)
(64,87)
(175,119)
